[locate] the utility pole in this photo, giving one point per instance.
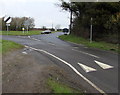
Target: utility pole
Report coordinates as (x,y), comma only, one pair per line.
(52,25)
(91,34)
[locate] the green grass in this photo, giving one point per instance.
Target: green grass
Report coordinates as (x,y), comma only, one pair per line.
(20,33)
(7,46)
(100,45)
(37,32)
(58,87)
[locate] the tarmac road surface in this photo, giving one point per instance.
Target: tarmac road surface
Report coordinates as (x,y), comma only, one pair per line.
(96,70)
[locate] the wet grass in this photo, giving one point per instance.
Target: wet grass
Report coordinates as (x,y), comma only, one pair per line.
(7,46)
(100,45)
(21,33)
(60,88)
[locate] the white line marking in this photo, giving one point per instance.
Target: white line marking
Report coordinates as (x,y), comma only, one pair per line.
(51,43)
(85,47)
(73,68)
(86,68)
(30,49)
(39,40)
(29,37)
(21,36)
(35,39)
(86,53)
(75,47)
(102,65)
(24,52)
(75,43)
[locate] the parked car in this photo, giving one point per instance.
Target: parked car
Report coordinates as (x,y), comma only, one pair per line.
(46,32)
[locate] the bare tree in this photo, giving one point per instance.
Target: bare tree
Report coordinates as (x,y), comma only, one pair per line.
(29,23)
(18,23)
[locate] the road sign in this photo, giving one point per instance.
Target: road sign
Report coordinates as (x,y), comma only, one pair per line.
(7,24)
(7,19)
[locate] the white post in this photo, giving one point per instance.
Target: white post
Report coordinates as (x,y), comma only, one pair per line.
(23,30)
(7,27)
(91,31)
(27,29)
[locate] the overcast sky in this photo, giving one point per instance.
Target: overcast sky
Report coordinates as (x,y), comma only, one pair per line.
(45,12)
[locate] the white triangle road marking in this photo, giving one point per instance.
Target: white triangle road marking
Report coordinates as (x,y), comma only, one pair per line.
(24,52)
(69,65)
(103,65)
(86,68)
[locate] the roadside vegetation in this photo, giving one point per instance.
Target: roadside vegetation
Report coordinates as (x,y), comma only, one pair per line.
(7,46)
(58,87)
(20,33)
(104,17)
(18,23)
(100,45)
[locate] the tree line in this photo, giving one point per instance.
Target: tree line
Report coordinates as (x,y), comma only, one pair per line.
(105,19)
(18,23)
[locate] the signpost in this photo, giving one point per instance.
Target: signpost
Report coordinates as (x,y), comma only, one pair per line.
(7,20)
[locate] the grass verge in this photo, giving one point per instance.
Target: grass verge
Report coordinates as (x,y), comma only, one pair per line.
(20,33)
(100,45)
(16,33)
(6,46)
(58,87)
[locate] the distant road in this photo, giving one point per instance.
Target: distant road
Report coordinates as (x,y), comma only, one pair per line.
(96,70)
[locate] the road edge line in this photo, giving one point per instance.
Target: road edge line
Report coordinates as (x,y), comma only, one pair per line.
(86,53)
(73,68)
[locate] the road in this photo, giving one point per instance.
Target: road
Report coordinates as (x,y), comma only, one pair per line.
(96,70)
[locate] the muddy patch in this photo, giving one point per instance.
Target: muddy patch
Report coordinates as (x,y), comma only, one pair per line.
(21,73)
